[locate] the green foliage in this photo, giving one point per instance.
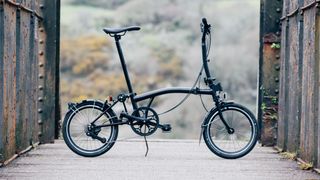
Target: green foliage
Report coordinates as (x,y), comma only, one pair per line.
(305,165)
(275,46)
(84,54)
(288,155)
(169,62)
(274,116)
(274,100)
(263,106)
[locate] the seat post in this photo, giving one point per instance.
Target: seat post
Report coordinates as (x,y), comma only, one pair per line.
(125,71)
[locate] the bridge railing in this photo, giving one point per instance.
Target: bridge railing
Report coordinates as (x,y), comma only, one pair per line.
(290,44)
(29,74)
(298,126)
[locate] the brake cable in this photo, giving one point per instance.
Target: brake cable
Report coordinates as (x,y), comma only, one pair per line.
(186,97)
(194,85)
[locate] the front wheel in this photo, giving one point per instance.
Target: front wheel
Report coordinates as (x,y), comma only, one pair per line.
(81,136)
(226,144)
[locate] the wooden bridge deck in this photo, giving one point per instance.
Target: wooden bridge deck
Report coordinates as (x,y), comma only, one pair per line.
(167,159)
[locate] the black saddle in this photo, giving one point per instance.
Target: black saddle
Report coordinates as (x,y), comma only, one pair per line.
(120,30)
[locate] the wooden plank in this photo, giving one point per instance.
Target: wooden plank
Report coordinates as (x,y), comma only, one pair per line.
(294,90)
(2,128)
(282,120)
(22,73)
(307,138)
(18,139)
(317,84)
(26,3)
(9,81)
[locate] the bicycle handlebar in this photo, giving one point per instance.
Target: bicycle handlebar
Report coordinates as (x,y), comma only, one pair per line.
(205,27)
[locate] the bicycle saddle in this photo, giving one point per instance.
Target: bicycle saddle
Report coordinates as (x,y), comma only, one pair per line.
(120,30)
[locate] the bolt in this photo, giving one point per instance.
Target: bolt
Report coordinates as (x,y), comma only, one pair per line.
(278,10)
(41,6)
(277,56)
(41,41)
(276,79)
(40,76)
(276,91)
(40,64)
(39,110)
(278,33)
(40,88)
(39,134)
(40,122)
(40,99)
(277,67)
(41,29)
(41,53)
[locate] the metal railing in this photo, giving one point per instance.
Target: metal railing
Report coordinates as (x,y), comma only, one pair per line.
(29,75)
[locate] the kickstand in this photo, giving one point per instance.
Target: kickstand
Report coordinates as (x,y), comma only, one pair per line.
(145,140)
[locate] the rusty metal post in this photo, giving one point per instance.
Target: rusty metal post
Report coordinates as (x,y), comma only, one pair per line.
(1,81)
(50,117)
(269,69)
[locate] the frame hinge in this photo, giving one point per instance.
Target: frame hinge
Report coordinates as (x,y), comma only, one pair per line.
(209,80)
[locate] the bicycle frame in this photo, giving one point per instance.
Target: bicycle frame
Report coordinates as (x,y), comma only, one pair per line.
(79,131)
(213,88)
(152,94)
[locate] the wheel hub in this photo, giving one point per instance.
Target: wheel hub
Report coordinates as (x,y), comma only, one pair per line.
(230,130)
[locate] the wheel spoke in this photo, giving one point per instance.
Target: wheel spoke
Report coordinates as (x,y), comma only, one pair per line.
(79,123)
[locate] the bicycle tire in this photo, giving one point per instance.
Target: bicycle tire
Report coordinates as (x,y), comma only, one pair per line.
(218,144)
(77,114)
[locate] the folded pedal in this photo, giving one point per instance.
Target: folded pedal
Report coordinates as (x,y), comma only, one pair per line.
(166,127)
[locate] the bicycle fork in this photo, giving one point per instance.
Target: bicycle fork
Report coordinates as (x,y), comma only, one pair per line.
(219,105)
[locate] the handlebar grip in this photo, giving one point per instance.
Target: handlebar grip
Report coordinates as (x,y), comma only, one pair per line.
(204,21)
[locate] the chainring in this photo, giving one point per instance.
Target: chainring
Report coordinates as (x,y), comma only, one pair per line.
(147,126)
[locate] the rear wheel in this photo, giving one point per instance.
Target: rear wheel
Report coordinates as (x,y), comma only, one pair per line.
(234,144)
(83,138)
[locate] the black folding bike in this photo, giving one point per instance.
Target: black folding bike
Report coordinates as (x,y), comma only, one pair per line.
(90,128)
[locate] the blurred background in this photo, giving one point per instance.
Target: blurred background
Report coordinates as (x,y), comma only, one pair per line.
(166,52)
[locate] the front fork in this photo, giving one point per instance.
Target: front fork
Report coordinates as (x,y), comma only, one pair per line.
(219,105)
(227,126)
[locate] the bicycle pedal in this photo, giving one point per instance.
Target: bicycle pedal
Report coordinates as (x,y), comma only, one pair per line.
(166,128)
